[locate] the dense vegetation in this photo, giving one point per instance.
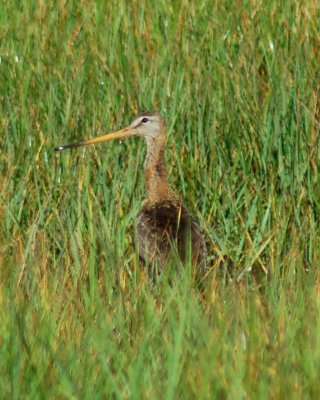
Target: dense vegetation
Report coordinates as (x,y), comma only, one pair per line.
(238,83)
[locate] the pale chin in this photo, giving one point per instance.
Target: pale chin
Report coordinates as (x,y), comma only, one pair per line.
(150,138)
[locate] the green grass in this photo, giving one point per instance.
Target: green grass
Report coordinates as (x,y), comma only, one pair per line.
(238,84)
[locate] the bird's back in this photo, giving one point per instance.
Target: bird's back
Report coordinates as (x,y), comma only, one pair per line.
(164,225)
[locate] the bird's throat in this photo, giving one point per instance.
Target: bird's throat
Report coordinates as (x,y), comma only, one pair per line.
(158,188)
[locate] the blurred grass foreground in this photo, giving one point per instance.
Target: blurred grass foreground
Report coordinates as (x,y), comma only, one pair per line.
(238,84)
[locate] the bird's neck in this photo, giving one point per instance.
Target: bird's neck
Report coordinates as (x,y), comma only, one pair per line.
(158,188)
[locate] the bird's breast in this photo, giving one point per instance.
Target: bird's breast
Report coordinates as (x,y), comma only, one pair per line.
(165,225)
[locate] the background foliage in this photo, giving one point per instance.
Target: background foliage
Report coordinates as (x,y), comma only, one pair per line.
(238,83)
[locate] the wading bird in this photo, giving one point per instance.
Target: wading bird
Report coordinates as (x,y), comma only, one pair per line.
(164,223)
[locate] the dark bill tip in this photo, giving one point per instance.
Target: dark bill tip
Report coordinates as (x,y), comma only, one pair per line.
(67,146)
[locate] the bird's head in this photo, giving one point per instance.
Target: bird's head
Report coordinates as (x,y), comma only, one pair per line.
(148,125)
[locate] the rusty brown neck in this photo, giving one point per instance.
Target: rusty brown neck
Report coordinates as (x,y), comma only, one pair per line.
(158,188)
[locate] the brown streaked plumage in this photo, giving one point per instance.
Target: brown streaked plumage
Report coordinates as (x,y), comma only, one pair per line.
(163,221)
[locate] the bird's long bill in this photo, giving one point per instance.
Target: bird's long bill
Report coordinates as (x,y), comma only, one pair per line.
(104,138)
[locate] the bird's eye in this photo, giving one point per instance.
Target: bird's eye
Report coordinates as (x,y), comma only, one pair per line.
(145,120)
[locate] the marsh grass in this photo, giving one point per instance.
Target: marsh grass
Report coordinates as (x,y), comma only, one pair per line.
(238,84)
